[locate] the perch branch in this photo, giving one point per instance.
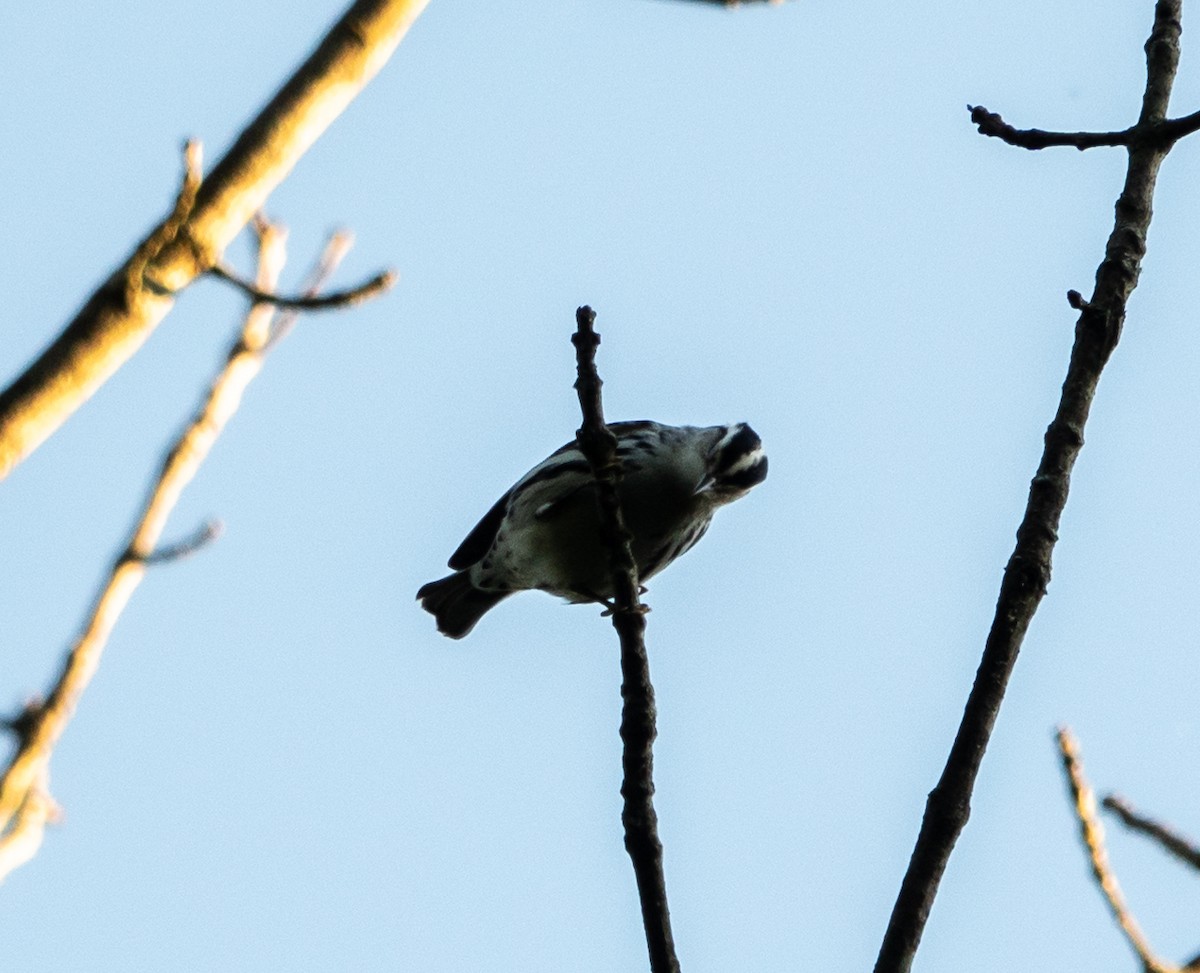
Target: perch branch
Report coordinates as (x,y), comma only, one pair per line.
(117,318)
(599,446)
(1027,573)
(1092,832)
(25,805)
(1176,844)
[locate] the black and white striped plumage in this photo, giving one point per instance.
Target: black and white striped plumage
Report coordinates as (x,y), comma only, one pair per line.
(544,533)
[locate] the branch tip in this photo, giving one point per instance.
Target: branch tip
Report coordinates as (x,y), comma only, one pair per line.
(193,161)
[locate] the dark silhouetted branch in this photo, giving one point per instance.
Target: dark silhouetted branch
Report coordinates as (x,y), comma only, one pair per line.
(1162,132)
(991,124)
(1179,846)
(599,445)
(1176,128)
(323,302)
(1027,573)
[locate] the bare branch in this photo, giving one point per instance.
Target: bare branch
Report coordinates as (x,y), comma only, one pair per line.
(1176,128)
(991,124)
(117,319)
(1179,846)
(599,446)
(1161,132)
(23,812)
(1092,833)
(1027,573)
(339,299)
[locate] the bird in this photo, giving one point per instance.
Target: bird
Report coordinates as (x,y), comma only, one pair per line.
(545,534)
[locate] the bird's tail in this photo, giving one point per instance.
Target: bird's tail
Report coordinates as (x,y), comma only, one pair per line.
(457,604)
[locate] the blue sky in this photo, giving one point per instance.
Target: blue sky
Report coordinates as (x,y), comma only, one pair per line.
(781,215)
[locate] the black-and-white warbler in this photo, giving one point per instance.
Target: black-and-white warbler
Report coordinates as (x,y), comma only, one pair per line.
(544,533)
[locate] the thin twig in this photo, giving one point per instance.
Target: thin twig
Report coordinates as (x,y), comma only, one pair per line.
(1179,846)
(339,299)
(23,797)
(1028,570)
(203,535)
(1092,833)
(599,445)
(334,253)
(992,125)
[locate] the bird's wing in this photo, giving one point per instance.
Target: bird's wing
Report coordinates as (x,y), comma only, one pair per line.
(479,541)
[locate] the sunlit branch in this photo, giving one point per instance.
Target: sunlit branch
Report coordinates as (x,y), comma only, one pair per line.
(25,804)
(1091,831)
(121,314)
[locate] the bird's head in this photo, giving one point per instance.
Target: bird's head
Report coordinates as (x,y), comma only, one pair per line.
(736,463)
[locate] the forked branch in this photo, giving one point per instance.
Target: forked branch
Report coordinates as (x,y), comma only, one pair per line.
(25,802)
(1027,573)
(125,309)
